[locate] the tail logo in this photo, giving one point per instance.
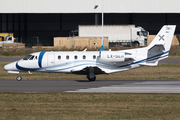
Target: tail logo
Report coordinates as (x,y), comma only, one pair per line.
(168,28)
(161,37)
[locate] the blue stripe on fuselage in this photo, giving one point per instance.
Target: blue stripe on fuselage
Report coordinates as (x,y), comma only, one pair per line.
(155,57)
(26,69)
(40,59)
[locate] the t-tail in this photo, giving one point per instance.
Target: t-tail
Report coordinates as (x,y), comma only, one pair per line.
(160,46)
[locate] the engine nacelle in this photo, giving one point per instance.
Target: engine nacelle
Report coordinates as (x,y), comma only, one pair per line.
(108,56)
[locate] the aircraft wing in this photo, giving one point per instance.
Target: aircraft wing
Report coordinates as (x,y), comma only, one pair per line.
(86,70)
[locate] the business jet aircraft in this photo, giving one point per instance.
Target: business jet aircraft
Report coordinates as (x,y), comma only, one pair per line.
(92,63)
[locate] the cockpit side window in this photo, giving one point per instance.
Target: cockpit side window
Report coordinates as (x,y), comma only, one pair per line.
(31,58)
(35,58)
(27,57)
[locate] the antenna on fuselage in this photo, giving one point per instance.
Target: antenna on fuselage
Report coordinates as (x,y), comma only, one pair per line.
(102,47)
(85,50)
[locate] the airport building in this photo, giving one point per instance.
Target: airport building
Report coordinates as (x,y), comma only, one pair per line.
(43,20)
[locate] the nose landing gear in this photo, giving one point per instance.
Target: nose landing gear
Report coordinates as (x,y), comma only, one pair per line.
(19,78)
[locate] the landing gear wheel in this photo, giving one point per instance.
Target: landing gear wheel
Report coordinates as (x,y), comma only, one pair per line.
(19,78)
(92,79)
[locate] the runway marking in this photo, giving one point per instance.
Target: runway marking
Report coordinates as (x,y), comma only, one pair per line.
(148,87)
(105,86)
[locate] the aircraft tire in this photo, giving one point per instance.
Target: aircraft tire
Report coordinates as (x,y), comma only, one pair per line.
(92,79)
(19,78)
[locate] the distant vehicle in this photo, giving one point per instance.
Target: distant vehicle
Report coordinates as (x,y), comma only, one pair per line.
(126,35)
(6,38)
(91,63)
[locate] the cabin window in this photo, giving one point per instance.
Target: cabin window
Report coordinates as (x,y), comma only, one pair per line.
(67,57)
(31,58)
(27,57)
(59,57)
(75,57)
(84,57)
(35,58)
(94,57)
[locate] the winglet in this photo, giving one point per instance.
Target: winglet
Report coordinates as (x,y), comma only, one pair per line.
(102,48)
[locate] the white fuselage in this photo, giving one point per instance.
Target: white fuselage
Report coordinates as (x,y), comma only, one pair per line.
(69,62)
(91,63)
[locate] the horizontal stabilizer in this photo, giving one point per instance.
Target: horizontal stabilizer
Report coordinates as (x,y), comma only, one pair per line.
(149,63)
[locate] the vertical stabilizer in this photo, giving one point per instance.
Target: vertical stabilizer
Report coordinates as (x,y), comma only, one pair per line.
(164,37)
(160,46)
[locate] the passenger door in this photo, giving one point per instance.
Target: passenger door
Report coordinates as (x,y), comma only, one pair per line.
(50,61)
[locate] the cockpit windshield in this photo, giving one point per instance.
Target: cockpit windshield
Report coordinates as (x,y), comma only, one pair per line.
(27,57)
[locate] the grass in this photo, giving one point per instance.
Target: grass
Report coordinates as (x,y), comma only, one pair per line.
(83,106)
(160,72)
(93,106)
(175,51)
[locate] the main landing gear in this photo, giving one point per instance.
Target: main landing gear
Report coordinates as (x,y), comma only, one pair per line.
(91,76)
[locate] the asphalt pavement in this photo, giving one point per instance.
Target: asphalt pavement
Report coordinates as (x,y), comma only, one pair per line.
(98,86)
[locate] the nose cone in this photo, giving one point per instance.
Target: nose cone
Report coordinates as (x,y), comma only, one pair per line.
(6,67)
(11,66)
